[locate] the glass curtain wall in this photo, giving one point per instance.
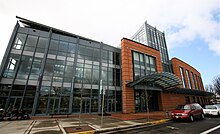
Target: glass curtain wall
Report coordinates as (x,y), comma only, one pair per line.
(71,67)
(152,37)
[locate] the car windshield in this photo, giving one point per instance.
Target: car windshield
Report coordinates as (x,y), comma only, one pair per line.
(210,107)
(183,107)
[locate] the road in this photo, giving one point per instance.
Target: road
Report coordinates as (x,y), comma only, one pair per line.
(183,127)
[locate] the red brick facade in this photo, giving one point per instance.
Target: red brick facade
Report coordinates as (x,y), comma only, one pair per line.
(127,70)
(170,101)
(166,101)
(177,63)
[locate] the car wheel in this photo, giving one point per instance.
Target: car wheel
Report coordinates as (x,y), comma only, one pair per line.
(202,116)
(191,118)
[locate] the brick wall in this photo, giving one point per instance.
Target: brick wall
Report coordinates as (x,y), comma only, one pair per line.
(127,70)
(177,63)
(169,101)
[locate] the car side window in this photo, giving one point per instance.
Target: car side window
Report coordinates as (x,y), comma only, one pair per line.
(198,106)
(193,107)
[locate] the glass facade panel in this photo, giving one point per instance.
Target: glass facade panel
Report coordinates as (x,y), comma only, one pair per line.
(152,37)
(19,41)
(188,78)
(31,41)
(143,63)
(182,76)
(54,45)
(13,63)
(193,79)
(42,43)
(60,71)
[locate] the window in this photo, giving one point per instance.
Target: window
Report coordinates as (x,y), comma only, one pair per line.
(54,45)
(187,100)
(188,78)
(182,76)
(194,82)
(197,83)
(150,64)
(71,48)
(19,41)
(136,56)
(13,62)
(118,76)
(42,43)
(143,64)
(31,41)
(63,46)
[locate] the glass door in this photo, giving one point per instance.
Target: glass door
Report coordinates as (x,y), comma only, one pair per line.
(85,105)
(54,105)
(14,102)
(111,105)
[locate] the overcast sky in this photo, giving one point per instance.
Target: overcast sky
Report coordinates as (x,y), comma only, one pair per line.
(192,27)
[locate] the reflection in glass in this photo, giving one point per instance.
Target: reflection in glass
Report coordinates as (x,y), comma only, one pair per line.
(42,43)
(31,41)
(19,41)
(54,45)
(12,65)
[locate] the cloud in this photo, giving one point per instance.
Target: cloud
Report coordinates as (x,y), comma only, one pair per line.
(187,20)
(109,21)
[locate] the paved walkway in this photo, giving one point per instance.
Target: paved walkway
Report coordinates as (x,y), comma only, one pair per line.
(89,123)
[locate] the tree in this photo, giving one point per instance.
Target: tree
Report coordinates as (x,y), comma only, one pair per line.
(148,95)
(216,84)
(209,88)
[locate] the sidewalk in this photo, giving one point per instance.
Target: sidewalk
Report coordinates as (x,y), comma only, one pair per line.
(89,123)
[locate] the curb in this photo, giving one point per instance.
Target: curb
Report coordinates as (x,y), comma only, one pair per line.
(84,132)
(131,127)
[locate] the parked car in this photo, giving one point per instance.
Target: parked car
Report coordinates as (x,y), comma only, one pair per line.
(188,111)
(212,110)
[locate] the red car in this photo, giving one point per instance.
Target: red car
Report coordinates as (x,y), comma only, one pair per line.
(188,111)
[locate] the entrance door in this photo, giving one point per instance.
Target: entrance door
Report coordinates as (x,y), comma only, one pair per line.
(111,105)
(85,105)
(141,103)
(54,105)
(15,101)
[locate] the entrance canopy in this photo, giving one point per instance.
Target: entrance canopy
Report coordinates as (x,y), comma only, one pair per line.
(188,91)
(162,80)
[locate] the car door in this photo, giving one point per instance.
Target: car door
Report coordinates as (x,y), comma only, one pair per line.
(195,111)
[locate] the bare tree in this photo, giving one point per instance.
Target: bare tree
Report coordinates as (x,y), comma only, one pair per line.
(82,92)
(209,88)
(148,95)
(216,84)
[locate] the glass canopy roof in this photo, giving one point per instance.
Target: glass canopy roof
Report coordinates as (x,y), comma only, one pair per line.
(161,80)
(188,91)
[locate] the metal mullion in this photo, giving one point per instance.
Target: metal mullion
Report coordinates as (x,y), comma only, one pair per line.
(8,50)
(74,73)
(107,96)
(114,80)
(25,88)
(40,78)
(16,70)
(100,77)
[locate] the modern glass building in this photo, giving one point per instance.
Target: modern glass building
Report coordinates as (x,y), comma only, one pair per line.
(46,70)
(152,37)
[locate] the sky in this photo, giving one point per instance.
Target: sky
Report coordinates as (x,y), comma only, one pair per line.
(192,27)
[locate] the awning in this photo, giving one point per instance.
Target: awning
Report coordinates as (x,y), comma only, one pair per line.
(162,80)
(188,91)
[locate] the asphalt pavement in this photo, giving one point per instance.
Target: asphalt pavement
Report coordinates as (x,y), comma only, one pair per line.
(211,125)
